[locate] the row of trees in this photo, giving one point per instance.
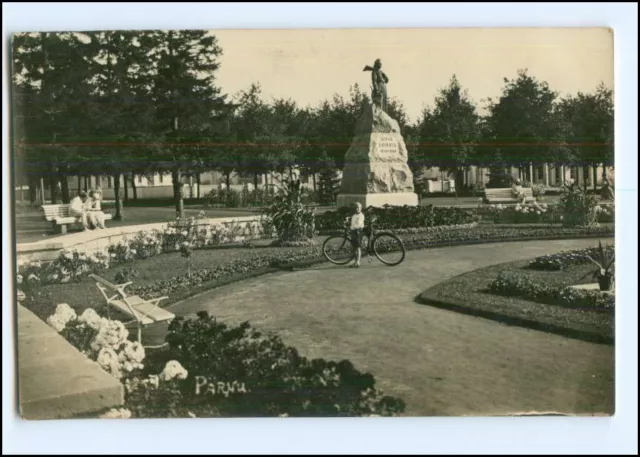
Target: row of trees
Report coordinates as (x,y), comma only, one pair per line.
(138,102)
(529,124)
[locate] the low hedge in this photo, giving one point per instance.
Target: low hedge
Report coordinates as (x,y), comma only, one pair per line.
(518,285)
(398,217)
(566,259)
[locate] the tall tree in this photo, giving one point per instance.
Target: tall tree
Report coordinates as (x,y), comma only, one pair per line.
(185,93)
(449,132)
(588,122)
(522,121)
(51,74)
(122,116)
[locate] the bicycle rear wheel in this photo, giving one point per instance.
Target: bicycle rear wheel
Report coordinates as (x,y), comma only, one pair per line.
(337,250)
(389,249)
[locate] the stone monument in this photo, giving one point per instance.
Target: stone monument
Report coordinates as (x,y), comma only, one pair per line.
(376,172)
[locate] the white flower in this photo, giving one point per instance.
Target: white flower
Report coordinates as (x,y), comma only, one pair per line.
(108,360)
(32,277)
(57,323)
(190,414)
(19,279)
(173,370)
(67,255)
(92,319)
(133,352)
(65,313)
(116,413)
(133,251)
(111,335)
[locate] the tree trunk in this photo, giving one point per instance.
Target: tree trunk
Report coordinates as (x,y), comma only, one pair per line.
(33,187)
(227,177)
(126,188)
(198,184)
(313,177)
(255,180)
(41,190)
(54,189)
(133,186)
(177,193)
(79,184)
(86,183)
(595,177)
(64,185)
(116,192)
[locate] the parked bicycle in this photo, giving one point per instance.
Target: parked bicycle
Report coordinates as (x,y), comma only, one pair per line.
(386,246)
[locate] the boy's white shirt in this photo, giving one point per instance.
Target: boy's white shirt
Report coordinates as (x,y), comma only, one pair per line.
(357,221)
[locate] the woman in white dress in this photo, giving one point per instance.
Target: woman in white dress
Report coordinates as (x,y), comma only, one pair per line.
(96,215)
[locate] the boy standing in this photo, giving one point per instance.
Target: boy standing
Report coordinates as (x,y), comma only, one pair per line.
(357,227)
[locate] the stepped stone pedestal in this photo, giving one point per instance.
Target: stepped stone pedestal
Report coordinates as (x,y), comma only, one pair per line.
(376,172)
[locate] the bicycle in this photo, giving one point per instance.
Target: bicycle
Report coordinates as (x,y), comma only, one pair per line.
(383,245)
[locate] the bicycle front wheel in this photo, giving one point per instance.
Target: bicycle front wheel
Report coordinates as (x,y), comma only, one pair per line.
(337,250)
(389,249)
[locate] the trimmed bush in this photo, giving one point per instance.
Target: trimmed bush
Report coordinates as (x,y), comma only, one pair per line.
(518,285)
(564,260)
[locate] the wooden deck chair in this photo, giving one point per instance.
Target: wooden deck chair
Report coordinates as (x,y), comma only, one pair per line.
(144,312)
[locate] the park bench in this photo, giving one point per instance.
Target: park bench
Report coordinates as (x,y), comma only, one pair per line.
(60,218)
(144,312)
(506,195)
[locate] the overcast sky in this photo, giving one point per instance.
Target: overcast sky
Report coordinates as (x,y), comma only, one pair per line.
(311,65)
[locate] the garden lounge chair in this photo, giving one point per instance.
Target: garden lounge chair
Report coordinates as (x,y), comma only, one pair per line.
(144,312)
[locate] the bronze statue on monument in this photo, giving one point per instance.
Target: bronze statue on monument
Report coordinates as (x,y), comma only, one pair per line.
(379,82)
(376,170)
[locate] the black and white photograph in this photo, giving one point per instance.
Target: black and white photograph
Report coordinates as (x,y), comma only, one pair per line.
(314,223)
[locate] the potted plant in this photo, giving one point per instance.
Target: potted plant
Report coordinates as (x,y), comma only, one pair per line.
(605,261)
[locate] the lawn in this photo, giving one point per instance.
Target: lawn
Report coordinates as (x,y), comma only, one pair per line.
(468,293)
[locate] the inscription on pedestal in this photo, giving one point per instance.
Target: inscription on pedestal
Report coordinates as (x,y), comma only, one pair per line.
(388,146)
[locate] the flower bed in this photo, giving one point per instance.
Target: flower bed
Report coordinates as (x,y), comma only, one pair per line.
(541,213)
(518,285)
(564,260)
(572,314)
(398,217)
(211,370)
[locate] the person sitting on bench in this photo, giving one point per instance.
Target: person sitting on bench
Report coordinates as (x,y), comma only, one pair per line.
(518,192)
(95,214)
(77,209)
